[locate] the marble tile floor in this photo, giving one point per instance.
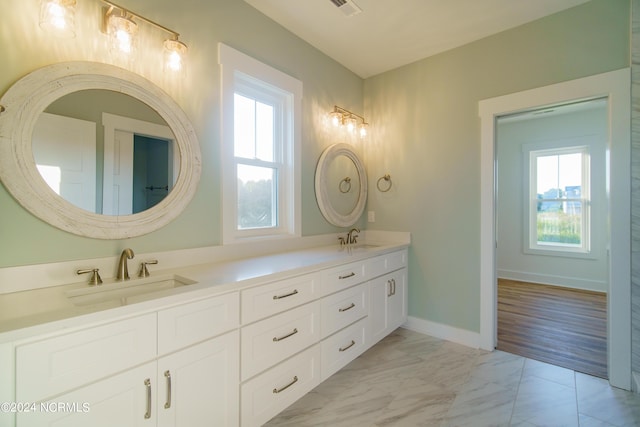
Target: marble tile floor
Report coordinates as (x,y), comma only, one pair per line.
(410,379)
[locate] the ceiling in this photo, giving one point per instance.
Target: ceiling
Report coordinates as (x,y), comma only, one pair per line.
(388,34)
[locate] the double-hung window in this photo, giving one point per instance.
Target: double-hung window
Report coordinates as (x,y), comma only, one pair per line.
(260,149)
(559,202)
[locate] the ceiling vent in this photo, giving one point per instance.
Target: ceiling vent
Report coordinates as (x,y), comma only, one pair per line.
(347,7)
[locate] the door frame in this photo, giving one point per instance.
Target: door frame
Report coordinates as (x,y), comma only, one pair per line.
(616,87)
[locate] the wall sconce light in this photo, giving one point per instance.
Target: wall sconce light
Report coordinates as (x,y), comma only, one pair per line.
(341,117)
(121,27)
(58,17)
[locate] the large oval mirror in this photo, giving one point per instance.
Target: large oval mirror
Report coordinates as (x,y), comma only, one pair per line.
(96,150)
(341,185)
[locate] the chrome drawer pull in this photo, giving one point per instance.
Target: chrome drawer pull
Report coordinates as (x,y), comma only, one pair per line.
(167,375)
(348,308)
(147,384)
(390,291)
(347,347)
(278,390)
(346,276)
(295,291)
(295,331)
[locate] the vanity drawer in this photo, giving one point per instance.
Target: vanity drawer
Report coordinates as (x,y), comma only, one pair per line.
(269,341)
(344,276)
(388,262)
(58,364)
(343,347)
(190,323)
(267,300)
(269,393)
(344,308)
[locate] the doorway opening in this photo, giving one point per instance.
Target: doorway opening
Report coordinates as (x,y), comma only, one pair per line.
(551,234)
(615,87)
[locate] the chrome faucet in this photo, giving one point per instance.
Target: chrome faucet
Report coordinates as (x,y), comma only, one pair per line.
(352,236)
(123,270)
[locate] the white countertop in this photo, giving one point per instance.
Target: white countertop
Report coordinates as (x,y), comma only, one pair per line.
(25,313)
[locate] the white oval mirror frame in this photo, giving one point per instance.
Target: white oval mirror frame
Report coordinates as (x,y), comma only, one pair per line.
(29,96)
(322,186)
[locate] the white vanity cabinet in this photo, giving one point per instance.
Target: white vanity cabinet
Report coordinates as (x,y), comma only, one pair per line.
(131,373)
(235,357)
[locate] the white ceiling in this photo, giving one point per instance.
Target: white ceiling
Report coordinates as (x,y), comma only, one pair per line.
(388,34)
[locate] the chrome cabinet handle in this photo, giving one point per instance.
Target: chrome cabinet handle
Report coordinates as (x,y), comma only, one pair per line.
(393,283)
(295,331)
(147,384)
(347,308)
(295,291)
(293,381)
(346,276)
(348,346)
(167,375)
(389,292)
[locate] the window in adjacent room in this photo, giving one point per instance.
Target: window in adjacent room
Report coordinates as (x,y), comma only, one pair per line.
(260,153)
(559,200)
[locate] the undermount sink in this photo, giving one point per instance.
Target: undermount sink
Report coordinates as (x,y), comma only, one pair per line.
(358,247)
(127,292)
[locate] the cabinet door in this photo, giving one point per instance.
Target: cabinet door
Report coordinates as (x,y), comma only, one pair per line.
(124,400)
(198,386)
(388,304)
(378,314)
(397,302)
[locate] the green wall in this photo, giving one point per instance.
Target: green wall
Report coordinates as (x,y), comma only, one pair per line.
(424,116)
(24,239)
(427,137)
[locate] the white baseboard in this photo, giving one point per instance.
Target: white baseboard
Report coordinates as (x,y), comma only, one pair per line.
(549,279)
(445,332)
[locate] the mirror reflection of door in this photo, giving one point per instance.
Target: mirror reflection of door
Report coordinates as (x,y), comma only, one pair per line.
(551,234)
(152,170)
(64,150)
(141,164)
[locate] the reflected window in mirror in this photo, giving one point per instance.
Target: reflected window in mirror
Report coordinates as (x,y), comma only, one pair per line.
(261,138)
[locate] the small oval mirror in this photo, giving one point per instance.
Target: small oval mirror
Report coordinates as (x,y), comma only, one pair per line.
(341,185)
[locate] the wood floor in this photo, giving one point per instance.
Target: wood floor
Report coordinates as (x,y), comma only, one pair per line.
(562,326)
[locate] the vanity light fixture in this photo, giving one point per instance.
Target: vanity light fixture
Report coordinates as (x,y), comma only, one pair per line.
(58,17)
(341,117)
(121,27)
(122,31)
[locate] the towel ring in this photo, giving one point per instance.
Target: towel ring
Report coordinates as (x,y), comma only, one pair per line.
(347,185)
(386,178)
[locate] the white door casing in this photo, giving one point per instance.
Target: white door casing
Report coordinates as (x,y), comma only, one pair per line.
(616,87)
(119,132)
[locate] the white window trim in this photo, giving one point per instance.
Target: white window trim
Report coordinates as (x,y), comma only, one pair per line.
(530,211)
(235,65)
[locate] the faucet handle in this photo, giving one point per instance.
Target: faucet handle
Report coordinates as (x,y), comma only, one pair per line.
(94,279)
(144,271)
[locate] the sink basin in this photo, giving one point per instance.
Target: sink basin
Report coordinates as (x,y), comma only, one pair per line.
(127,292)
(358,247)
